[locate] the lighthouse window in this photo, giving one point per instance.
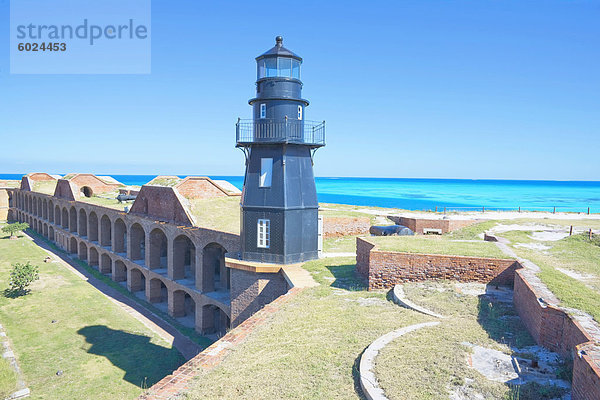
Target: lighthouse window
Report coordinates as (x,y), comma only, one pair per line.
(296,69)
(263,111)
(271,67)
(285,67)
(266,172)
(263,234)
(299,112)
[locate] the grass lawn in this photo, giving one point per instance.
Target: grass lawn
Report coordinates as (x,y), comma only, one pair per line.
(8,379)
(342,244)
(431,362)
(437,245)
(222,213)
(310,348)
(106,202)
(66,325)
(575,253)
(46,187)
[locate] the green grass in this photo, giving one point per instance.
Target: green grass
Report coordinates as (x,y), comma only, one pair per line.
(221,213)
(47,187)
(102,351)
(165,181)
(577,223)
(576,253)
(437,245)
(310,348)
(426,364)
(472,232)
(342,244)
(106,202)
(8,379)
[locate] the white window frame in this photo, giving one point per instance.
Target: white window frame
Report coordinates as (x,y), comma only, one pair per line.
(266,172)
(263,233)
(300,112)
(263,110)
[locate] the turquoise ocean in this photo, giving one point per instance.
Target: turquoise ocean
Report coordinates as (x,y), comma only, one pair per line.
(427,194)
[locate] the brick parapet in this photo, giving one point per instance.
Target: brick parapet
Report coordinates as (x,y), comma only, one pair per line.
(384,269)
(555,329)
(343,226)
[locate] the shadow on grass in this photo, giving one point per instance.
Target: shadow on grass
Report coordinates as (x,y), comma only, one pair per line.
(356,377)
(143,362)
(346,277)
(186,339)
(14,293)
(501,321)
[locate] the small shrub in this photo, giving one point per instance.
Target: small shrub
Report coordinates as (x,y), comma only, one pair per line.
(21,276)
(12,229)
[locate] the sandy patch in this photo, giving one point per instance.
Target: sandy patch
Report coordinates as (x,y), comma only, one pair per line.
(576,275)
(533,246)
(549,236)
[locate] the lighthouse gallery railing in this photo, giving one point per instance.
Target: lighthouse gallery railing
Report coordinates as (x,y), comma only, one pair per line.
(280,131)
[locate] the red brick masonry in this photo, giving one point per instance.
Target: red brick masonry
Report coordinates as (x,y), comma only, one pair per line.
(343,226)
(179,381)
(549,325)
(384,269)
(556,330)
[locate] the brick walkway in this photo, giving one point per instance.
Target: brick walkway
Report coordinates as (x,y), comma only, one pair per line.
(178,382)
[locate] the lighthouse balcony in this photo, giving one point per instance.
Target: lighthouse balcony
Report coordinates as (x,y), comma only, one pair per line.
(310,133)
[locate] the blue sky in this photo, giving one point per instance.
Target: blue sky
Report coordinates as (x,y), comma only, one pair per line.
(433,89)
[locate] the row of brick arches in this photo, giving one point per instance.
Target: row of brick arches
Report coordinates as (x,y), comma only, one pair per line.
(162,265)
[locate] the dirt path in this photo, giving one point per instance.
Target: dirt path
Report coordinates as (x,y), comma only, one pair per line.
(158,325)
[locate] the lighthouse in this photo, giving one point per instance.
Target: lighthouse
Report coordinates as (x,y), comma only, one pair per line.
(279,207)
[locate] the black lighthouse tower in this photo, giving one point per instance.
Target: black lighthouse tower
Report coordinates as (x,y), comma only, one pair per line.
(279,218)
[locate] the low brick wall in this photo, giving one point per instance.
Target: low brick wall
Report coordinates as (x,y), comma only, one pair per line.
(418,225)
(556,330)
(384,269)
(342,226)
(586,373)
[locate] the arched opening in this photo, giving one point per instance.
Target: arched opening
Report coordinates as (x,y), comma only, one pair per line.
(73,245)
(105,264)
(87,191)
(46,230)
(183,307)
(136,282)
(138,244)
(10,199)
(158,249)
(45,209)
(57,215)
(184,258)
(120,237)
(93,227)
(65,218)
(51,233)
(73,220)
(93,257)
(119,273)
(50,211)
(214,321)
(82,251)
(105,231)
(38,207)
(215,276)
(82,223)
(157,294)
